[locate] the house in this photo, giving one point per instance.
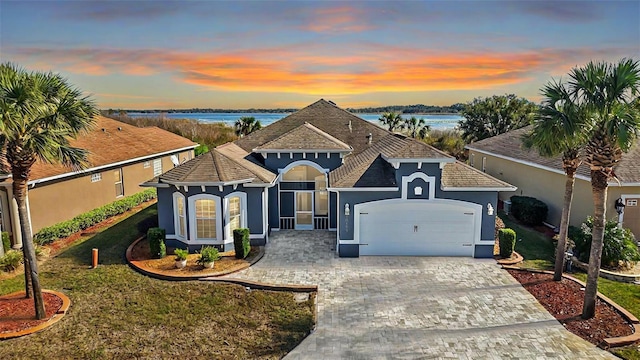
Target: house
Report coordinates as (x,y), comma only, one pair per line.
(121,156)
(324,168)
(503,157)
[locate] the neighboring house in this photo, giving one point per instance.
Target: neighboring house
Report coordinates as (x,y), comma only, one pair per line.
(121,157)
(502,156)
(325,168)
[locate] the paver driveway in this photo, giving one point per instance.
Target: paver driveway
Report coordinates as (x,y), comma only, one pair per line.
(413,307)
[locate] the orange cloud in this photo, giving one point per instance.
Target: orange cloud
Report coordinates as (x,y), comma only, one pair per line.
(316,71)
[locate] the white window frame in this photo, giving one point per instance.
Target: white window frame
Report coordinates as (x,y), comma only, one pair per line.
(193,231)
(471,158)
(147,164)
(176,216)
(484,164)
(96,177)
(227,214)
(121,182)
(157,167)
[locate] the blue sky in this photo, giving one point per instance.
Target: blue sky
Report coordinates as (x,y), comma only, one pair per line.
(224,54)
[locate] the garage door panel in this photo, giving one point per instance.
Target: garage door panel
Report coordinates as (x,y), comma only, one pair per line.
(412,228)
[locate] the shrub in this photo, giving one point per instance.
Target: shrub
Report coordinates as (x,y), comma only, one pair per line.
(11,260)
(530,211)
(6,242)
(507,242)
(156,237)
(83,221)
(208,254)
(181,254)
(619,244)
(241,242)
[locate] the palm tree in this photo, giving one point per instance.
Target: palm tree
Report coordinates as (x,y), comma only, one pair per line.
(392,121)
(610,91)
(39,113)
(557,130)
(417,129)
(246,125)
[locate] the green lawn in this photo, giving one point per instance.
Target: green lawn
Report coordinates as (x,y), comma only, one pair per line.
(118,313)
(536,249)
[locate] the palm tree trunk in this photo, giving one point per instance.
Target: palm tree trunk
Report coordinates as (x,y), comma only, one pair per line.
(31,265)
(599,188)
(564,225)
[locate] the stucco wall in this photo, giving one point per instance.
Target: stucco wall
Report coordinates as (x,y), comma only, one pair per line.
(548,187)
(60,200)
(272,162)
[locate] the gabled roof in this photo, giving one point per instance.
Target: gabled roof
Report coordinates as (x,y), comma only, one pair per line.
(458,176)
(113,142)
(304,137)
(509,147)
(225,164)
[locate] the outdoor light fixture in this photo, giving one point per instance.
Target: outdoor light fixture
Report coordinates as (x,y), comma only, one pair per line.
(489,209)
(347,211)
(619,206)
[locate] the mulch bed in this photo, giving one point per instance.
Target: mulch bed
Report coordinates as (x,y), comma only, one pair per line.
(564,300)
(17,313)
(166,266)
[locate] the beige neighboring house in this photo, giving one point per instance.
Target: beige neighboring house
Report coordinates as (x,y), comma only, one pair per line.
(503,157)
(121,157)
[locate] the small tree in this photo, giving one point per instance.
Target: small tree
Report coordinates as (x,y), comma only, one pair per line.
(417,128)
(487,117)
(246,125)
(392,121)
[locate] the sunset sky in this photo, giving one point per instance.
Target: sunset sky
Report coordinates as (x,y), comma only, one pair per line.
(241,54)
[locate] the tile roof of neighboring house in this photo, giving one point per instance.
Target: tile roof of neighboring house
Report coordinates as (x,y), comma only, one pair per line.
(305,136)
(225,164)
(509,145)
(460,175)
(112,141)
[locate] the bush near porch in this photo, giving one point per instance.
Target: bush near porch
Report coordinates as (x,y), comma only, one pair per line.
(119,313)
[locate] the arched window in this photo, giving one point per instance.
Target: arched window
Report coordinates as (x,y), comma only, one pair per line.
(179,215)
(204,217)
(235,205)
(301,173)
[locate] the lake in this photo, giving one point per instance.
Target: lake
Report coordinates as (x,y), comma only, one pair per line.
(440,122)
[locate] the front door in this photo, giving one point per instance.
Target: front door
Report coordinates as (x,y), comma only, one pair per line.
(304,210)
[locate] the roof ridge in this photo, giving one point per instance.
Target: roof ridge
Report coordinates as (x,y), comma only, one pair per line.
(326,135)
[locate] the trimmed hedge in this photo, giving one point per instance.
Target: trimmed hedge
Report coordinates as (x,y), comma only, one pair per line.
(241,242)
(507,242)
(67,228)
(156,237)
(6,242)
(530,211)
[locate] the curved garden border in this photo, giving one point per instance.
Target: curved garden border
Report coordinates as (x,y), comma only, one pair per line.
(518,259)
(149,272)
(66,302)
(626,278)
(608,342)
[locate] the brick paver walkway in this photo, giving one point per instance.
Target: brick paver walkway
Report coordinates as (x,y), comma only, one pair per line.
(413,307)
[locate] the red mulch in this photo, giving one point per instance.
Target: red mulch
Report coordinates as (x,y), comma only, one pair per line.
(17,313)
(564,300)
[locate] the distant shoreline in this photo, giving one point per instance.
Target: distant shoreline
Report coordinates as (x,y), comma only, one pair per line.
(265,111)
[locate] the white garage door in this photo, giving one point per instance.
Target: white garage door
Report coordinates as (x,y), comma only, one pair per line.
(417,227)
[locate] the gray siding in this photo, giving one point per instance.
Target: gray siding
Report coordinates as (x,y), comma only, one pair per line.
(274,201)
(272,162)
(333,203)
(165,209)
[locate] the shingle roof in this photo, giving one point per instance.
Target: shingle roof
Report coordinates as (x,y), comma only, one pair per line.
(226,163)
(112,141)
(460,175)
(510,145)
(305,136)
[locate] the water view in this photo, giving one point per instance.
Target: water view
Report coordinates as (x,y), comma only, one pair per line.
(440,122)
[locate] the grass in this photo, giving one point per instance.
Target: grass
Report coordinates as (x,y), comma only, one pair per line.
(118,313)
(536,249)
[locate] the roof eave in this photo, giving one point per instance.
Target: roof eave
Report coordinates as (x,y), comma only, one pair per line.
(479,188)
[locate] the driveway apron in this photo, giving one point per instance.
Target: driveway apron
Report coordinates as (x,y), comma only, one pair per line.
(413,307)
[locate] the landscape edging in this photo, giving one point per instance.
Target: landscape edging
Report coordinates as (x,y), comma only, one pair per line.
(66,303)
(608,342)
(610,275)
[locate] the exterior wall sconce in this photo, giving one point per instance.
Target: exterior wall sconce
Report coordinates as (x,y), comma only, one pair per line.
(417,191)
(619,206)
(489,209)
(347,211)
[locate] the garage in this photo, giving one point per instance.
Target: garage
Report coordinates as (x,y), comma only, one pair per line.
(404,227)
